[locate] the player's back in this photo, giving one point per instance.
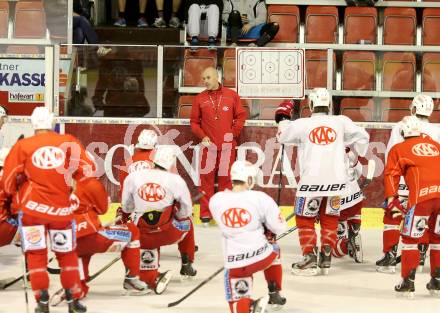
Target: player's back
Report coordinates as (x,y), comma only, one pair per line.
(241,216)
(420,158)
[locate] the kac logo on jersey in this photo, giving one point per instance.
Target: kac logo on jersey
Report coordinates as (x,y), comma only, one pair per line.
(151,192)
(236,217)
(138,166)
(322,135)
(425,150)
(48,157)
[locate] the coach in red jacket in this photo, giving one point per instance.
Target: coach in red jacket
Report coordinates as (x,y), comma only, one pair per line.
(217,118)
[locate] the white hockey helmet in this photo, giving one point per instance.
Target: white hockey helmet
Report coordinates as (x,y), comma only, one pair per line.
(410,126)
(319,97)
(147,139)
(244,171)
(165,157)
(422,105)
(3,154)
(42,118)
(3,111)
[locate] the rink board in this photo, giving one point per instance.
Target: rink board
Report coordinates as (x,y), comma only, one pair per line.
(371,217)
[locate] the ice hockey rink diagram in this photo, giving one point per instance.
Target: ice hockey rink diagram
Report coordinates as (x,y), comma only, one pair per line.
(264,73)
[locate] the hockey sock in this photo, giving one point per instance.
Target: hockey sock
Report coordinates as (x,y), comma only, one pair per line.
(410,258)
(69,272)
(307,239)
(425,238)
(391,236)
(131,259)
(160,13)
(149,277)
(241,306)
(340,249)
(187,244)
(36,261)
(274,273)
(434,258)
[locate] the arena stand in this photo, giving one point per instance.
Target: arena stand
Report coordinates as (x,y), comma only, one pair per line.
(374,60)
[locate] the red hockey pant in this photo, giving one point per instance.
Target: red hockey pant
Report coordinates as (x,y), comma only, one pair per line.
(306,229)
(217,164)
(7,233)
(180,232)
(37,260)
(88,245)
(426,213)
(238,281)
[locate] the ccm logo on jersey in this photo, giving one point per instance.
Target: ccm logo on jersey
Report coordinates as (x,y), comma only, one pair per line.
(427,190)
(333,187)
(138,166)
(151,192)
(322,135)
(425,150)
(244,256)
(50,210)
(48,157)
(236,217)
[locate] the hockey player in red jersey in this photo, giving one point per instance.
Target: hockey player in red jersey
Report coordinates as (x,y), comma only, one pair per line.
(421,107)
(245,217)
(142,157)
(416,159)
(321,140)
(160,205)
(50,162)
(8,216)
(91,200)
(349,237)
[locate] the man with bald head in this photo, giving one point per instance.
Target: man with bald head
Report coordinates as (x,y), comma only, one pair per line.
(217,118)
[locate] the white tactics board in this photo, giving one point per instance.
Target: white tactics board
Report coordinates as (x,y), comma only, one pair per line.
(270,73)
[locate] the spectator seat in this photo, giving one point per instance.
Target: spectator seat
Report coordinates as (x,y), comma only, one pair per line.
(287,17)
(321,24)
(399,71)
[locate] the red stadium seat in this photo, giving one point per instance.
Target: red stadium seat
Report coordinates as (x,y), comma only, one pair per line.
(267,108)
(184,106)
(435,116)
(4,19)
(431,26)
(229,64)
(431,72)
(23,49)
(287,17)
(194,63)
(399,71)
(304,110)
(358,109)
(399,26)
(316,68)
(321,24)
(30,20)
(358,70)
(247,107)
(360,24)
(393,110)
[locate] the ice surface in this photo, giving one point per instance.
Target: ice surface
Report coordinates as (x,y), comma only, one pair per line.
(349,287)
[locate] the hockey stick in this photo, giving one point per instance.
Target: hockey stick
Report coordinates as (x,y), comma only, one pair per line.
(281,175)
(17,279)
(370,174)
(290,230)
(57,298)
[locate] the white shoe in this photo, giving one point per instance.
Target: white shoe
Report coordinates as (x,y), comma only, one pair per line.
(174,22)
(259,305)
(162,282)
(159,23)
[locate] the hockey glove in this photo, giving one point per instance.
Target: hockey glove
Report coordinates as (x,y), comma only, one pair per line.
(284,111)
(124,217)
(396,208)
(271,237)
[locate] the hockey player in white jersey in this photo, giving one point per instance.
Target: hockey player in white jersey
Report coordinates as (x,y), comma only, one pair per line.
(160,205)
(321,140)
(245,218)
(422,107)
